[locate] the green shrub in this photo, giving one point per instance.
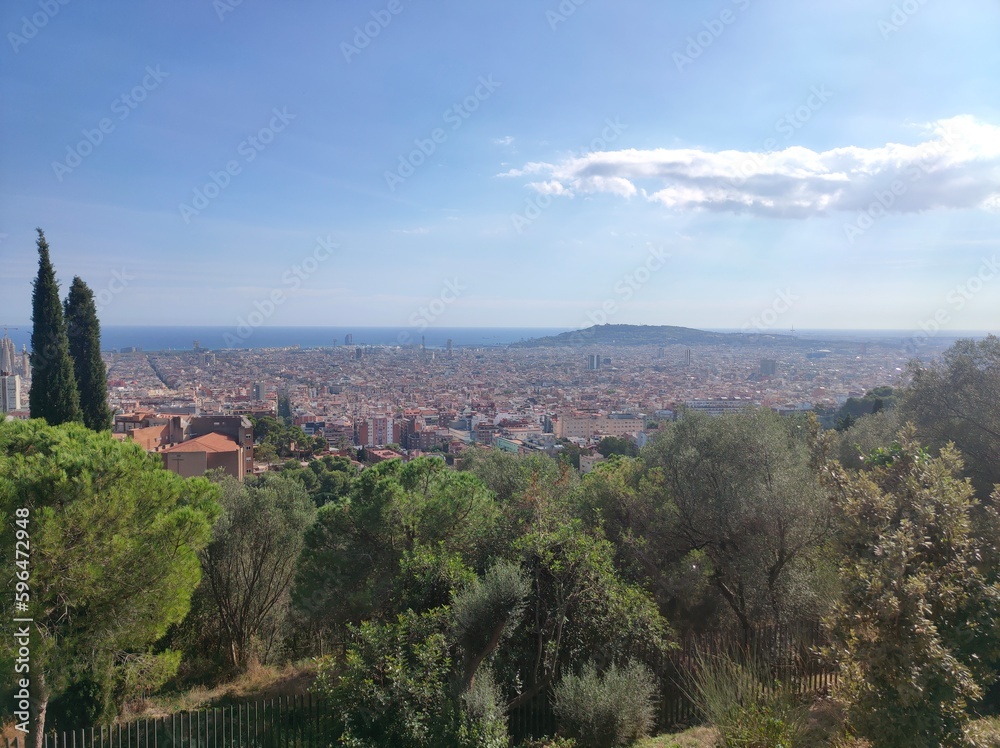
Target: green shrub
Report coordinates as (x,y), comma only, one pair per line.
(748,707)
(610,709)
(548,743)
(396,688)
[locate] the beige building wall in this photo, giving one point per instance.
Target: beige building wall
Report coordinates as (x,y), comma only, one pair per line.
(186,464)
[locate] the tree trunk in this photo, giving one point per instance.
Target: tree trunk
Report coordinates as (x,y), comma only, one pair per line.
(41,706)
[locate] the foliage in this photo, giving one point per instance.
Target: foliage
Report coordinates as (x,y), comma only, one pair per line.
(353,552)
(396,688)
(617,445)
(957,399)
(511,476)
(250,563)
(868,433)
(114,542)
(875,401)
(326,478)
(556,742)
(601,710)
(917,623)
(740,698)
(485,614)
(84,335)
(747,500)
(579,608)
(53,395)
(430,576)
(285,440)
(627,501)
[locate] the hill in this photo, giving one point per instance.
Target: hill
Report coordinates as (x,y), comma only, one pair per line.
(661,335)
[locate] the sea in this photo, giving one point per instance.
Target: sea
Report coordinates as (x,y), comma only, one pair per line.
(180,338)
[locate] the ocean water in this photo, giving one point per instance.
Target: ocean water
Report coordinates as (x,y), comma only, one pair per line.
(183,337)
(115,337)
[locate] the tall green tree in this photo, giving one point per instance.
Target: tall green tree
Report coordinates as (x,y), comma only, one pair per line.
(84,332)
(114,541)
(250,563)
(917,623)
(957,399)
(53,394)
(750,510)
(353,552)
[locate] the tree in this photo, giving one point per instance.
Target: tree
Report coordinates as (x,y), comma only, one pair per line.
(750,506)
(53,395)
(352,554)
(250,563)
(627,501)
(578,609)
(957,399)
(616,445)
(396,686)
(327,478)
(284,409)
(84,333)
(874,401)
(916,626)
(867,433)
(113,551)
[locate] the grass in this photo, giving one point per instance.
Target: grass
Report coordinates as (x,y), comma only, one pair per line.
(824,721)
(695,737)
(256,683)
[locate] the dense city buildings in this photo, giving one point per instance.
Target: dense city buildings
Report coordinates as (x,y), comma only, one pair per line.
(418,400)
(194,407)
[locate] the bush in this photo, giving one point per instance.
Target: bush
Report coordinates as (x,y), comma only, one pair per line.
(396,688)
(915,629)
(610,709)
(746,706)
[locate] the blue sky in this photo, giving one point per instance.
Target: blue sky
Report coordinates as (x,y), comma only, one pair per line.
(712,164)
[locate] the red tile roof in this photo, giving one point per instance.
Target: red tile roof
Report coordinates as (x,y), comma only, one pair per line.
(208,443)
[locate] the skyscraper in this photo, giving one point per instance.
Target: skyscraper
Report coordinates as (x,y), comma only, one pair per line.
(10,393)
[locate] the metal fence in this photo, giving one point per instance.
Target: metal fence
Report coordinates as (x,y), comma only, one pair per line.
(790,653)
(285,722)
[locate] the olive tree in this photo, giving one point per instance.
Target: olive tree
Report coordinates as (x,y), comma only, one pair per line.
(749,506)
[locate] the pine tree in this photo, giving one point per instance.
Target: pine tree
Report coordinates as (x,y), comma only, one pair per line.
(84,331)
(53,394)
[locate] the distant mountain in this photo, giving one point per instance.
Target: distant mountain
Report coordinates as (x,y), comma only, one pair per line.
(627,335)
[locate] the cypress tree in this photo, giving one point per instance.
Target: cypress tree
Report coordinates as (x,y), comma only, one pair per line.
(53,394)
(84,331)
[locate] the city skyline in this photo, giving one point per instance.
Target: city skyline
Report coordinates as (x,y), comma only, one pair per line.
(527,165)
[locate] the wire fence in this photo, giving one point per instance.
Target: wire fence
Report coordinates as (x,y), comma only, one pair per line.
(792,655)
(285,722)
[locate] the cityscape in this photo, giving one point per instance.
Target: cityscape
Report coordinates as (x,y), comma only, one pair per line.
(523,374)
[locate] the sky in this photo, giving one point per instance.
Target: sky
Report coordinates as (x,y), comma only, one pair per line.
(727,164)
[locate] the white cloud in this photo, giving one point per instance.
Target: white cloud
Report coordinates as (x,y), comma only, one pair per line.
(505,140)
(957,166)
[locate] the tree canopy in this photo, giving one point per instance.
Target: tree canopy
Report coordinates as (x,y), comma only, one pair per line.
(53,395)
(84,334)
(114,542)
